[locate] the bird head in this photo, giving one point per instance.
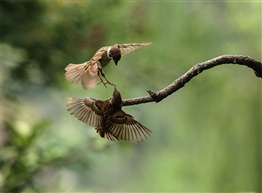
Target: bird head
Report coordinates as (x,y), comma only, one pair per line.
(116,99)
(114,54)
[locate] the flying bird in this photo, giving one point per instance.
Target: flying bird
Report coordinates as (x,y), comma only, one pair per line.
(88,72)
(108,118)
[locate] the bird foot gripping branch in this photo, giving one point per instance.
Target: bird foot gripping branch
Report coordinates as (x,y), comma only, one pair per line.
(107,116)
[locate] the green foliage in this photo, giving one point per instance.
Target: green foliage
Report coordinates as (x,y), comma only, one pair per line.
(206,137)
(20,157)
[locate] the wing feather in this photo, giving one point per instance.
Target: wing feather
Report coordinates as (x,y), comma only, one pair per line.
(127,48)
(125,127)
(81,109)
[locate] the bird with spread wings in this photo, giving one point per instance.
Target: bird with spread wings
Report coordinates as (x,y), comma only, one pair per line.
(88,72)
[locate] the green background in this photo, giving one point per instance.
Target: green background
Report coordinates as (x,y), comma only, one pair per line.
(206,136)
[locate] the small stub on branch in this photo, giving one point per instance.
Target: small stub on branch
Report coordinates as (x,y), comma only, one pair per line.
(154,96)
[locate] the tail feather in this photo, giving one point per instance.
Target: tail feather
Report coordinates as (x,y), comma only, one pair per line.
(75,72)
(86,73)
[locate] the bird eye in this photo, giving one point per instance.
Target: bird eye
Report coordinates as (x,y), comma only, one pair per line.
(110,55)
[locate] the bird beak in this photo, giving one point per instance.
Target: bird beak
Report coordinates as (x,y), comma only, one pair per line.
(115,62)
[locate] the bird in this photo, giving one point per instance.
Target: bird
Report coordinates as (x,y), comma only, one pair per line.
(108,118)
(88,72)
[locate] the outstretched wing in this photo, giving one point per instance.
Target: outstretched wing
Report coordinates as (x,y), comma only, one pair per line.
(124,127)
(87,73)
(127,48)
(82,109)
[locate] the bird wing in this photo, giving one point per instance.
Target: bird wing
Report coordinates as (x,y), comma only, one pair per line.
(99,53)
(127,48)
(82,109)
(86,72)
(124,127)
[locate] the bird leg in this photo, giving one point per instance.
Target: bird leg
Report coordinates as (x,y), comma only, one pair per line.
(102,81)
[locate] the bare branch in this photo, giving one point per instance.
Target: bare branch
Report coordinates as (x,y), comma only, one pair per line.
(194,71)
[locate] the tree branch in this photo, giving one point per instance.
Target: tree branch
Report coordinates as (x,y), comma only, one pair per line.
(194,71)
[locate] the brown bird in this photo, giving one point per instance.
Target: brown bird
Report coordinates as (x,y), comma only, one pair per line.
(89,71)
(108,118)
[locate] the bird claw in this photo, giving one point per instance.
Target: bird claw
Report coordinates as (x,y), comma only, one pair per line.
(105,83)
